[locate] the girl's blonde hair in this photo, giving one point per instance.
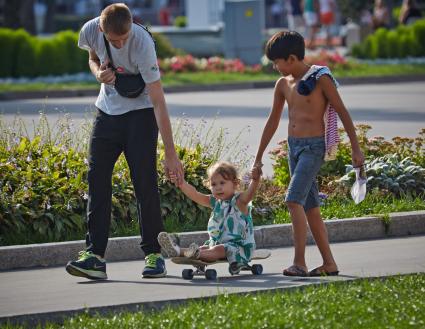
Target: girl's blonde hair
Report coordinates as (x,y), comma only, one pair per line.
(116,18)
(227,170)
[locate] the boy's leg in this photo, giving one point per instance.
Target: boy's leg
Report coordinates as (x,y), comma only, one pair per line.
(320,234)
(299,233)
(305,159)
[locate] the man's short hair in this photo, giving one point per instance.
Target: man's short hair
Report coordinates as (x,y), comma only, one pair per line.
(285,43)
(116,18)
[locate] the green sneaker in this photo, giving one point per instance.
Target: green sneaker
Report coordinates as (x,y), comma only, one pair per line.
(154,266)
(88,266)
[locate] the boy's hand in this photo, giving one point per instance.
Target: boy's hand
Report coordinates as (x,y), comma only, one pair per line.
(256,173)
(357,158)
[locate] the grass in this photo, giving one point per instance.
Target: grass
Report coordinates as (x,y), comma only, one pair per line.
(202,78)
(374,204)
(395,302)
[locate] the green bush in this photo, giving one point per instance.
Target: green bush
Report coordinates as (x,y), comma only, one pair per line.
(7,46)
(74,59)
(164,48)
(372,148)
(25,55)
(393,174)
(402,42)
(419,34)
(43,191)
(50,57)
(25,58)
(380,37)
(180,21)
(394,46)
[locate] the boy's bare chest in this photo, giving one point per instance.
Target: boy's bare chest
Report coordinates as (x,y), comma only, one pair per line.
(312,103)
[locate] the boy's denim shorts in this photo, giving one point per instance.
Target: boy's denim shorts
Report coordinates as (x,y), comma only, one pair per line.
(305,159)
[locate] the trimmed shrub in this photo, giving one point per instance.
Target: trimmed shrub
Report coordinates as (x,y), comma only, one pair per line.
(7,46)
(419,34)
(25,58)
(25,55)
(163,46)
(381,40)
(402,42)
(180,21)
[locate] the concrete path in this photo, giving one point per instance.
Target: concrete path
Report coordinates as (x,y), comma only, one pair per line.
(51,293)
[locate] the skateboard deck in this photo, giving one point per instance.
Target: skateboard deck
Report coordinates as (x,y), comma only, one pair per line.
(258,254)
(210,274)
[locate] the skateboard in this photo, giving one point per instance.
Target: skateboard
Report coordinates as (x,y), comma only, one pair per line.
(211,274)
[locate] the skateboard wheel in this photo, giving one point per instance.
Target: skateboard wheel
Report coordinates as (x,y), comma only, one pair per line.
(257,269)
(234,268)
(187,274)
(210,274)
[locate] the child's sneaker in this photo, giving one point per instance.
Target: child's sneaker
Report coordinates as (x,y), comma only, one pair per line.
(88,266)
(154,266)
(168,244)
(192,252)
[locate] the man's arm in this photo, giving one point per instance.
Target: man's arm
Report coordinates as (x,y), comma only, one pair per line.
(272,121)
(333,97)
(102,73)
(172,162)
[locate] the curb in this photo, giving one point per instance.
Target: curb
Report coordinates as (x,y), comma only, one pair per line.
(268,236)
(8,96)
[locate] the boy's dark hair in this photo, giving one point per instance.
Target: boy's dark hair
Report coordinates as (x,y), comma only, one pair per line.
(285,43)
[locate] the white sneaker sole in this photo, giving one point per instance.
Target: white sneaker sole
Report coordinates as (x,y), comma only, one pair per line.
(166,243)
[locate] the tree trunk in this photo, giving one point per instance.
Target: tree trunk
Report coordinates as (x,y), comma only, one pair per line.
(49,23)
(27,15)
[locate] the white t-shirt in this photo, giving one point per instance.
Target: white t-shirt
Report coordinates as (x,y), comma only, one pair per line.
(137,55)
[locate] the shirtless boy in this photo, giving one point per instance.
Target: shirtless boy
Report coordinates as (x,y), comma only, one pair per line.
(306,141)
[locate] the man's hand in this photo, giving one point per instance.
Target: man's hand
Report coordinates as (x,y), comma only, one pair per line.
(173,169)
(105,74)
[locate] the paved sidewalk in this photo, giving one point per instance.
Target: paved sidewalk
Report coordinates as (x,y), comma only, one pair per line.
(52,294)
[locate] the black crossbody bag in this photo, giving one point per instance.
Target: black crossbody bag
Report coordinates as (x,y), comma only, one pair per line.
(127,85)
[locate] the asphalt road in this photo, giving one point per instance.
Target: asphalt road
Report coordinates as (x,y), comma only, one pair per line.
(392,109)
(45,291)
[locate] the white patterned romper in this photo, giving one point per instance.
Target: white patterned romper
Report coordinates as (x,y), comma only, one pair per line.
(229,226)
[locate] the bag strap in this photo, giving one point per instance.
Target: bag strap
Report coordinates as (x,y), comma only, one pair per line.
(108,49)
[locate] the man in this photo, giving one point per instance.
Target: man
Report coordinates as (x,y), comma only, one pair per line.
(128,125)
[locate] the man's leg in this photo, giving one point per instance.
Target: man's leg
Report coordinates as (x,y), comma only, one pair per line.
(140,151)
(103,153)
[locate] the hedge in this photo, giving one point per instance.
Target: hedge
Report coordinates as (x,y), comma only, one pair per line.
(23,55)
(404,41)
